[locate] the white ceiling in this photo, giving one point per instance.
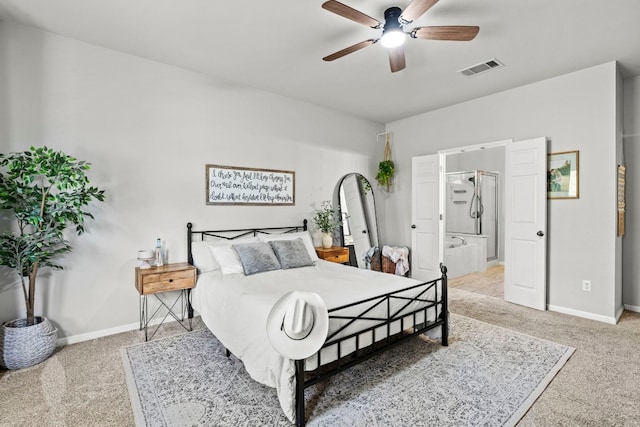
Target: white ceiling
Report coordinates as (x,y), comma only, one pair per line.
(277,45)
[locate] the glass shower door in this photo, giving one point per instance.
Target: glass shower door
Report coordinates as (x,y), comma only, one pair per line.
(488,196)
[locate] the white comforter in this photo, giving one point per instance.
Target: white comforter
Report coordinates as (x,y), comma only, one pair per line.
(235,308)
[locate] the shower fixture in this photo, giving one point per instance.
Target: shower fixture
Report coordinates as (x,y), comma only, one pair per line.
(475,213)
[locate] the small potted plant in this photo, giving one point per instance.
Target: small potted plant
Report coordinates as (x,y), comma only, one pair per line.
(325,220)
(385,173)
(44,192)
(385,167)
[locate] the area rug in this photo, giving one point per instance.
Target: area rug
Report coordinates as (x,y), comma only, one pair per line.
(487,376)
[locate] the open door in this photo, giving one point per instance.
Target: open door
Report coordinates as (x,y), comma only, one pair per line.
(525,195)
(425,217)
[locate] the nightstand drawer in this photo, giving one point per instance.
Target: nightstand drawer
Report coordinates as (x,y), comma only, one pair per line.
(162,282)
(170,277)
(338,258)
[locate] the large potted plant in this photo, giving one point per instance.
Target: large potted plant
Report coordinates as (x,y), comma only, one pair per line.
(325,220)
(44,192)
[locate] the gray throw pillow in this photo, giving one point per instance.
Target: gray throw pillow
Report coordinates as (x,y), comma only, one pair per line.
(256,258)
(291,253)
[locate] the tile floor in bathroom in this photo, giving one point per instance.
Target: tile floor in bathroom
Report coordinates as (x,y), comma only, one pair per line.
(490,282)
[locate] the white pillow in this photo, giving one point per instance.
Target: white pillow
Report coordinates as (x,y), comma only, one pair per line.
(304,235)
(227,257)
(203,258)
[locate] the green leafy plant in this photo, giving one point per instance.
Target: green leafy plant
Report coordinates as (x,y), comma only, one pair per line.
(366,186)
(325,218)
(46,192)
(385,173)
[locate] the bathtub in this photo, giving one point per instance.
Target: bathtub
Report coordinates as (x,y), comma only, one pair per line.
(466,258)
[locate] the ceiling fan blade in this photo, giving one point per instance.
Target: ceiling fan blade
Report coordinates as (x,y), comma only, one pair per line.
(396,59)
(350,13)
(415,10)
(350,49)
(449,32)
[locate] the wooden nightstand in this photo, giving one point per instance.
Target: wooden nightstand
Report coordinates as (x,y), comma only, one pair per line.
(334,254)
(157,280)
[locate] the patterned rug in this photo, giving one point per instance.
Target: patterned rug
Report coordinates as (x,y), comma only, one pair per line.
(488,376)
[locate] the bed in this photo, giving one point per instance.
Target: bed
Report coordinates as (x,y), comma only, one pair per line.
(368,311)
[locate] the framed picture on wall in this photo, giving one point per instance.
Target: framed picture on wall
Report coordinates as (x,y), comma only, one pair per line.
(231,185)
(563,172)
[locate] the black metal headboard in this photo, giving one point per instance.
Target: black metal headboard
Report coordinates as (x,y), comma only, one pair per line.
(235,234)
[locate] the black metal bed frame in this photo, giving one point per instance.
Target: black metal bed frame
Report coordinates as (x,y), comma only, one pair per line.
(439,304)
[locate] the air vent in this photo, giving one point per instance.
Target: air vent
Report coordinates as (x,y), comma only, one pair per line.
(483,67)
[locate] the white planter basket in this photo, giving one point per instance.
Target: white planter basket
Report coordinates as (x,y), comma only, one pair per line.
(22,346)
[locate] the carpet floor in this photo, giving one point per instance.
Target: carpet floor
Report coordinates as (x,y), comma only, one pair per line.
(85,384)
(487,376)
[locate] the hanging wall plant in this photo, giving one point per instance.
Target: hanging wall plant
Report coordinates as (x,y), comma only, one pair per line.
(386,168)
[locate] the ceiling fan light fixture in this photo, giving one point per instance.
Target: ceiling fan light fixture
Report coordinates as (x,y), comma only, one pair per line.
(392,34)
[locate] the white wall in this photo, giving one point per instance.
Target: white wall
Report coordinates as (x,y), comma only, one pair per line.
(631,239)
(576,111)
(149,129)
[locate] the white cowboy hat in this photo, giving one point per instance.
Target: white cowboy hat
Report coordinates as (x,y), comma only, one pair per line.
(297,325)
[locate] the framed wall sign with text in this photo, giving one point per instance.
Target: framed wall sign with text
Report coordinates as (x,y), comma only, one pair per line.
(230,185)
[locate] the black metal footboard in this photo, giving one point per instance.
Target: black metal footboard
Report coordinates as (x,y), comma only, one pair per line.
(414,309)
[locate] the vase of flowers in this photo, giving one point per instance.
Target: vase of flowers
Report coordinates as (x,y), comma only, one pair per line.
(325,220)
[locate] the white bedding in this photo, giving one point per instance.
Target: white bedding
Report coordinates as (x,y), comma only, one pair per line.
(235,308)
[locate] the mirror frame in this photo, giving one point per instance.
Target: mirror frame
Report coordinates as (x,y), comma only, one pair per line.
(340,210)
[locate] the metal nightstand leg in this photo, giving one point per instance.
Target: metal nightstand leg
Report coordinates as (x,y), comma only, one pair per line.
(145,319)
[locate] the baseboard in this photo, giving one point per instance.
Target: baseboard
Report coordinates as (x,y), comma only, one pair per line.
(74,339)
(584,314)
(633,308)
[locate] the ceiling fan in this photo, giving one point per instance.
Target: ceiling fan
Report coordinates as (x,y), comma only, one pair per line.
(393,34)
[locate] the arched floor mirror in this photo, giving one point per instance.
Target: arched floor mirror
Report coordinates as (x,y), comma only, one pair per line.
(358,212)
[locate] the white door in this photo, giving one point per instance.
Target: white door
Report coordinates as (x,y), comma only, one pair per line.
(355,217)
(425,217)
(526,223)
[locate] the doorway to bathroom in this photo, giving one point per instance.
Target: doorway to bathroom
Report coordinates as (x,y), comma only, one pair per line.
(473,243)
(525,217)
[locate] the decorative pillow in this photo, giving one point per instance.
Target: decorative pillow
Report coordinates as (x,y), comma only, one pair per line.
(291,253)
(226,258)
(257,258)
(304,235)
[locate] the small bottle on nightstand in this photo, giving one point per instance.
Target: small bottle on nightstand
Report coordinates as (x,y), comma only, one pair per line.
(158,254)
